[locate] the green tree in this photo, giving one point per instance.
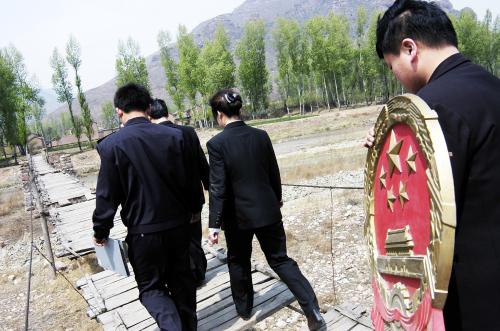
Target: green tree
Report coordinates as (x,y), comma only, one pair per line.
(171,69)
(361,61)
(317,31)
(73,56)
(491,30)
(64,90)
(470,38)
(26,95)
(292,60)
(37,113)
(281,40)
(130,65)
(340,54)
(7,102)
(218,63)
(109,119)
(252,71)
(190,72)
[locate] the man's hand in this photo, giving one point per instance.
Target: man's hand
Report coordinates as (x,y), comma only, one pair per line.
(213,238)
(99,242)
(370,138)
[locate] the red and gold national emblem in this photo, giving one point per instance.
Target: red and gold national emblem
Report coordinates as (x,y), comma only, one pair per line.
(410,223)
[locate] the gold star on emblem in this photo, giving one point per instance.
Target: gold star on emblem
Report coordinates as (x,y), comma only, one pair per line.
(410,160)
(403,195)
(393,154)
(391,198)
(382,178)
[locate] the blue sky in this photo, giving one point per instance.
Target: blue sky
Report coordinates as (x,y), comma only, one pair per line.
(36,27)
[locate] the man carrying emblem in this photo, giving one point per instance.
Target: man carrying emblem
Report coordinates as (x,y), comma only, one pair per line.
(419,44)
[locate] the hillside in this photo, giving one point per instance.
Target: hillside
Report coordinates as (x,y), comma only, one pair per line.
(301,10)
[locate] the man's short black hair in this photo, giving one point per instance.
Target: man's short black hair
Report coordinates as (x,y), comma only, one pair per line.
(226,101)
(132,96)
(158,109)
(420,20)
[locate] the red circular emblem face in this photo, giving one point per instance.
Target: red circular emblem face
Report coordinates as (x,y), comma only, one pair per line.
(401,194)
(402,225)
(406,207)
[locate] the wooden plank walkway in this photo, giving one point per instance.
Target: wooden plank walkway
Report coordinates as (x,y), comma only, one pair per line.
(113,300)
(70,205)
(347,317)
(58,189)
(73,226)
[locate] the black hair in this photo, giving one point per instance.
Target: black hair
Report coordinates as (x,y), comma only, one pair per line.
(158,109)
(226,101)
(132,96)
(420,20)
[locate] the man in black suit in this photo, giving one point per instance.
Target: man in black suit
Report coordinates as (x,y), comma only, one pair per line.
(198,167)
(245,198)
(419,44)
(143,169)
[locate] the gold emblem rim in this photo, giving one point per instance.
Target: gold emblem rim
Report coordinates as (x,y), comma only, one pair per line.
(411,110)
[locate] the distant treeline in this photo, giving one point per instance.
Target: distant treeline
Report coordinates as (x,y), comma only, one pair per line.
(323,63)
(326,62)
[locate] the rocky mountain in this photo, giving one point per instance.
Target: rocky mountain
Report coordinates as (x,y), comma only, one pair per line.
(268,10)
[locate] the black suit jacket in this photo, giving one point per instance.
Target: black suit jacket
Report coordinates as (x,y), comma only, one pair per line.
(143,169)
(197,163)
(467,100)
(245,184)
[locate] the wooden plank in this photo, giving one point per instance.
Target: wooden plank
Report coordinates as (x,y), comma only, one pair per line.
(229,313)
(152,328)
(122,299)
(224,299)
(260,312)
(218,253)
(132,312)
(98,304)
(343,324)
(128,309)
(118,324)
(217,271)
(356,312)
(331,317)
(143,325)
(103,274)
(214,263)
(361,327)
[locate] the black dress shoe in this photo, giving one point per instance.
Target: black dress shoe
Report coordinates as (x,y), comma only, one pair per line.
(315,321)
(245,316)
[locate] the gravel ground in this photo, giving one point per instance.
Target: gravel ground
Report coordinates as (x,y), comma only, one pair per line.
(310,219)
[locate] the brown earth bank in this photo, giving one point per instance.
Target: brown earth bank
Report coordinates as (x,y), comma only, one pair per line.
(324,227)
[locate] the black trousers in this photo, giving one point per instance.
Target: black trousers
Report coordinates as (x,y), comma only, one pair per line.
(198,261)
(272,241)
(160,259)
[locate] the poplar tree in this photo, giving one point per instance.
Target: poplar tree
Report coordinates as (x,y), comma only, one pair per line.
(109,119)
(252,71)
(130,65)
(64,90)
(73,56)
(171,69)
(190,72)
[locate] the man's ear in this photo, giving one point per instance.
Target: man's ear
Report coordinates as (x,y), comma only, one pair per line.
(119,112)
(409,48)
